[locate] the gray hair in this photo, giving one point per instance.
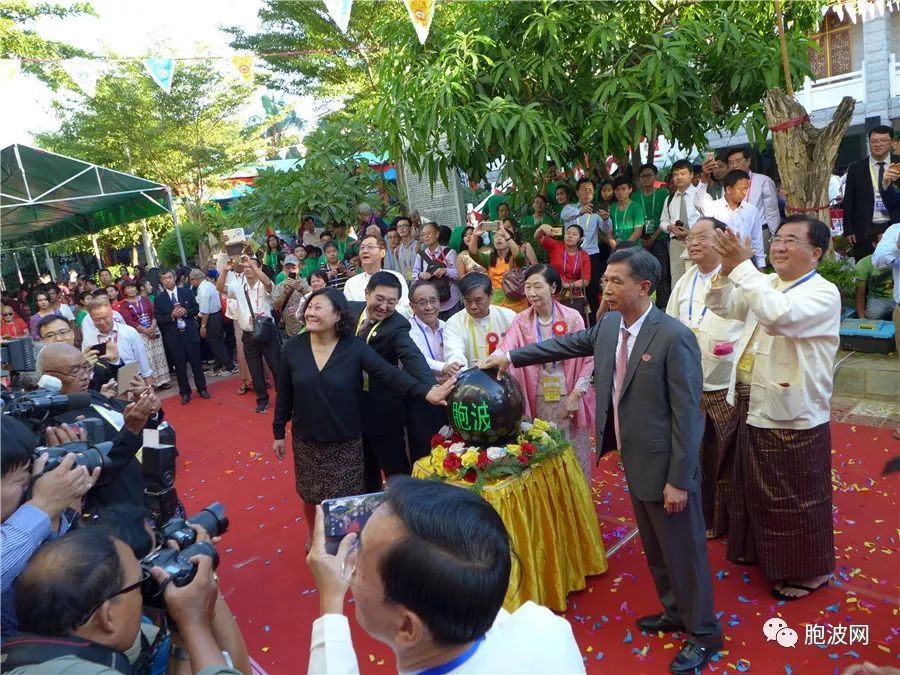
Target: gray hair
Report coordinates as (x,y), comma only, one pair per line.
(196,273)
(643,264)
(364,209)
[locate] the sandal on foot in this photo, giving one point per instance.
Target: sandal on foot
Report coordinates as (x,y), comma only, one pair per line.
(243,389)
(800,587)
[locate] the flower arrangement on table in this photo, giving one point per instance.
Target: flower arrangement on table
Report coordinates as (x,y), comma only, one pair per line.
(452,459)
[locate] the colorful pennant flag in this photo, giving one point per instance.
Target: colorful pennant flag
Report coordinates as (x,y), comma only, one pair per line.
(339,11)
(162,71)
(421,12)
(243,64)
(84,72)
(9,69)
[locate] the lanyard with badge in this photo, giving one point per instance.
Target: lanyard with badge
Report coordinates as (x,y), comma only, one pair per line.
(359,323)
(876,188)
(440,333)
(745,363)
(491,338)
(691,325)
(551,376)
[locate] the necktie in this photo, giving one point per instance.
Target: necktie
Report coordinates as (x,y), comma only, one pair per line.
(364,328)
(621,366)
(682,211)
(880,174)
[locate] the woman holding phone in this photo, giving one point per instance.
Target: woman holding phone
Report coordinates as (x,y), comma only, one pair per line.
(321,374)
(571,263)
(505,255)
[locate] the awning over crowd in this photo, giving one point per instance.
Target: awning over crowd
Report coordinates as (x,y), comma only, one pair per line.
(45,197)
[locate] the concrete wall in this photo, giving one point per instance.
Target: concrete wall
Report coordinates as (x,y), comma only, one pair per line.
(443,205)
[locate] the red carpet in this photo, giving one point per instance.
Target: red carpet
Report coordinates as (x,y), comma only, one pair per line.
(226,456)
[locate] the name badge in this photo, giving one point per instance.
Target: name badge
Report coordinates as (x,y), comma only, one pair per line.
(365,381)
(552,388)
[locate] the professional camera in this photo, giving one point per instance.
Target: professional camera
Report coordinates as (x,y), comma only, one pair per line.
(212,519)
(18,354)
(86,455)
(177,565)
(44,403)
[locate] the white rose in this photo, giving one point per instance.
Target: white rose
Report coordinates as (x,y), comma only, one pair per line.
(446,431)
(457,448)
(545,438)
(525,426)
(494,453)
(553,424)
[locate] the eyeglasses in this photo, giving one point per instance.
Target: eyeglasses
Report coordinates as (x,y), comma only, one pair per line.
(373,247)
(348,565)
(75,371)
(145,574)
(381,300)
(696,239)
(7,313)
(789,242)
(427,302)
(61,333)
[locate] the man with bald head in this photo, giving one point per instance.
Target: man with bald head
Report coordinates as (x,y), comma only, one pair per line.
(53,329)
(123,423)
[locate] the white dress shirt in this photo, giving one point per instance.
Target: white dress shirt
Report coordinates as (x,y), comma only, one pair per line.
(687,303)
(764,196)
(887,256)
(430,342)
(88,327)
(208,298)
(746,220)
(633,331)
(530,640)
(672,208)
(355,290)
(260,299)
(128,340)
(880,214)
(791,379)
(461,327)
(591,224)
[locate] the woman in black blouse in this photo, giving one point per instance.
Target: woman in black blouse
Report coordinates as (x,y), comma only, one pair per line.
(319,382)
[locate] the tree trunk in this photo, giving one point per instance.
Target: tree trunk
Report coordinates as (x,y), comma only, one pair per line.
(805,154)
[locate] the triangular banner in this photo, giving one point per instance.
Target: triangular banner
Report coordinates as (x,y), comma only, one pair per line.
(84,72)
(421,12)
(162,71)
(243,64)
(339,11)
(9,69)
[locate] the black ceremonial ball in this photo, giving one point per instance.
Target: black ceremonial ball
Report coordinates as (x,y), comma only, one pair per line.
(484,410)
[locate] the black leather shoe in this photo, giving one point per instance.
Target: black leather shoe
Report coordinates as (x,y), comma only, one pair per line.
(185,399)
(204,394)
(692,658)
(658,622)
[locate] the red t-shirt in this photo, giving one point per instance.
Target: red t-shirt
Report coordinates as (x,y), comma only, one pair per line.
(570,267)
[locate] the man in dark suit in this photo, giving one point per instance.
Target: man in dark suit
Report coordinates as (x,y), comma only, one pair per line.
(176,315)
(648,381)
(383,420)
(864,206)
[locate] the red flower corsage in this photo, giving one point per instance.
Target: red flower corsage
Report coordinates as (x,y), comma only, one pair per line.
(560,328)
(492,341)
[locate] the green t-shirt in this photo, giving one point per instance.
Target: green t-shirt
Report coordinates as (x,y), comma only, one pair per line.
(528,221)
(493,204)
(80,316)
(527,229)
(879,283)
(625,221)
(653,206)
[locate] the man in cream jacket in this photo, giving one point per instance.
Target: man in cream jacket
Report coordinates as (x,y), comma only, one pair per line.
(780,506)
(717,338)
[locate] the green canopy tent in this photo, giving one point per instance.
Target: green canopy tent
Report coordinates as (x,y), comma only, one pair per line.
(45,197)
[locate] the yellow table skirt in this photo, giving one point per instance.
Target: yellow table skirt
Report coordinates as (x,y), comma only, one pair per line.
(552,528)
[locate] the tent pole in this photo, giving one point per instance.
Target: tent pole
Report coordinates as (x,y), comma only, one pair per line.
(148,245)
(18,269)
(96,250)
(177,226)
(50,266)
(37,270)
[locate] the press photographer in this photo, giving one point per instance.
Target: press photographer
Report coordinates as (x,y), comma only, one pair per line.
(122,423)
(37,504)
(89,627)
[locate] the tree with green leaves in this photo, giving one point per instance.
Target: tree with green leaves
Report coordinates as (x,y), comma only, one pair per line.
(17,41)
(187,139)
(525,81)
(279,118)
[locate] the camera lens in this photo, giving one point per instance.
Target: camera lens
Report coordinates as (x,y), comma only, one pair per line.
(212,519)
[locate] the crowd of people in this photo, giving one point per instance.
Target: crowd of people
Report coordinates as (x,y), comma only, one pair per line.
(653,296)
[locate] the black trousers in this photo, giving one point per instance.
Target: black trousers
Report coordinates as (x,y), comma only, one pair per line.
(255,353)
(215,338)
(384,452)
(423,421)
(184,352)
(660,251)
(675,548)
(598,267)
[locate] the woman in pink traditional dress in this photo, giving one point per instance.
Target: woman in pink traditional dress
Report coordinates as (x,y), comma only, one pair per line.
(558,392)
(138,313)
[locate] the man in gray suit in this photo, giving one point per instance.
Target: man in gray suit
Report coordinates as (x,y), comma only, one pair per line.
(648,382)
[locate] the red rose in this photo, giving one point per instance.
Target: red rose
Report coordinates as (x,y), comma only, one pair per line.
(456,438)
(437,439)
(528,448)
(523,459)
(452,462)
(483,460)
(447,444)
(470,476)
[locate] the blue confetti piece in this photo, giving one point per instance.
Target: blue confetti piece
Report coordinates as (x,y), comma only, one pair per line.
(852,653)
(833,656)
(628,637)
(833,608)
(603,618)
(787,669)
(746,578)
(719,615)
(266,629)
(599,656)
(742,665)
(720,575)
(741,598)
